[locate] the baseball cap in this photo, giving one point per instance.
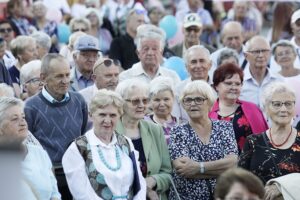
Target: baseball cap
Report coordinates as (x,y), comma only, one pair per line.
(87,42)
(192,19)
(295,16)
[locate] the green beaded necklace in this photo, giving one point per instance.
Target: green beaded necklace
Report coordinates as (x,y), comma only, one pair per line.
(118,158)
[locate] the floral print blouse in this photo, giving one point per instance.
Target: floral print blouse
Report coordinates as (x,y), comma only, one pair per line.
(267,161)
(185,142)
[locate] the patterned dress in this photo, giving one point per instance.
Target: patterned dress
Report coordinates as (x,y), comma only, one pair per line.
(262,159)
(185,143)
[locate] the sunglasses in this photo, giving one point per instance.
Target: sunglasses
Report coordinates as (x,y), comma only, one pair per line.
(109,62)
(136,102)
(190,29)
(5,30)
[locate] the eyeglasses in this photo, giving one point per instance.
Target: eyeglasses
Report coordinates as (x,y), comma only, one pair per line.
(190,29)
(136,102)
(284,53)
(259,51)
(197,100)
(109,62)
(278,104)
(5,30)
(36,81)
(79,29)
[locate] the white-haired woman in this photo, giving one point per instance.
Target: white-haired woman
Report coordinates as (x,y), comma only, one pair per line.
(24,50)
(102,34)
(162,100)
(36,167)
(200,149)
(102,164)
(147,137)
(275,152)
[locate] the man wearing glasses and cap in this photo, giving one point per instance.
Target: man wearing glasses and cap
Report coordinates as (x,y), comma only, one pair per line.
(192,30)
(85,55)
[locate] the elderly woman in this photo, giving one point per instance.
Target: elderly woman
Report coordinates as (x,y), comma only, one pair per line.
(275,152)
(43,43)
(238,183)
(97,31)
(228,55)
(24,50)
(80,24)
(101,164)
(36,165)
(30,78)
(162,100)
(200,149)
(147,137)
(245,116)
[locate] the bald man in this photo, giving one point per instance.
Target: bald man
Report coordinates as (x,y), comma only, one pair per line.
(231,37)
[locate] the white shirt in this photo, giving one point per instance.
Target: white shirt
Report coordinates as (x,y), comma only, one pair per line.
(118,182)
(60,5)
(137,71)
(88,93)
(251,90)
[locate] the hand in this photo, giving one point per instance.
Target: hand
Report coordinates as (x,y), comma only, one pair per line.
(150,182)
(186,167)
(272,192)
(152,195)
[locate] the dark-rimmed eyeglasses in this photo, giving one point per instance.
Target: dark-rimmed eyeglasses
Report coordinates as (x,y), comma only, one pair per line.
(187,101)
(109,62)
(259,51)
(136,102)
(278,104)
(5,30)
(36,81)
(190,29)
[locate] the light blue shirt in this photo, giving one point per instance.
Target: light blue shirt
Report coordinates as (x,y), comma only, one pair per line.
(38,175)
(49,98)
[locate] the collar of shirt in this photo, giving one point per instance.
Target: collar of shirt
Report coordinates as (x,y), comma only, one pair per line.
(139,70)
(293,41)
(79,75)
(49,98)
(249,76)
(95,141)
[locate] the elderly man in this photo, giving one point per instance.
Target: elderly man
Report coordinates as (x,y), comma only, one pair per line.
(8,34)
(105,75)
(55,116)
(198,63)
(231,37)
(43,43)
(123,47)
(30,78)
(257,76)
(192,30)
(85,55)
(150,45)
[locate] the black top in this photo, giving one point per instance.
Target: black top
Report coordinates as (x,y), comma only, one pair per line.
(138,145)
(4,74)
(14,74)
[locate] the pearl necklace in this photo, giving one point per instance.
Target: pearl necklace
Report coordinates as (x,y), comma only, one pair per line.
(119,164)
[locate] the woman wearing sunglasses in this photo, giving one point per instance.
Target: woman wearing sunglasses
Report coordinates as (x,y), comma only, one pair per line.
(147,137)
(200,149)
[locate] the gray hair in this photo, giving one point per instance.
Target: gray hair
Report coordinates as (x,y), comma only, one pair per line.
(104,98)
(149,31)
(27,70)
(249,44)
(96,11)
(227,53)
(129,85)
(201,87)
(283,43)
(6,103)
(6,90)
(45,65)
(228,25)
(194,48)
(19,44)
(42,39)
(80,20)
(161,84)
(274,88)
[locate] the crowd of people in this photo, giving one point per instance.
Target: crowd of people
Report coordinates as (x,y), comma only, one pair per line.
(99,116)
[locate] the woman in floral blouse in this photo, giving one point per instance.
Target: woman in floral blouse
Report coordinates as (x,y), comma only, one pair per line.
(200,149)
(246,117)
(276,152)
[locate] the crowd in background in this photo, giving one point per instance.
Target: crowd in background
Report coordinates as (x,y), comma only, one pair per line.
(151,99)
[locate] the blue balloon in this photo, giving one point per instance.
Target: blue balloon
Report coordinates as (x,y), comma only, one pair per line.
(64,33)
(169,24)
(177,64)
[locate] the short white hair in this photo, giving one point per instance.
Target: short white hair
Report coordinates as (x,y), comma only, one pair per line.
(42,39)
(129,85)
(149,31)
(6,90)
(194,48)
(161,84)
(97,12)
(27,70)
(201,87)
(6,103)
(250,43)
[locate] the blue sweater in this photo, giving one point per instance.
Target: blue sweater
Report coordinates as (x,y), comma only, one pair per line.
(56,125)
